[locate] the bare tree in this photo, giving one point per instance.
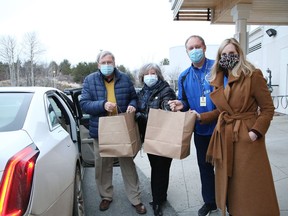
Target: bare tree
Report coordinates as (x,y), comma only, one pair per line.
(53,70)
(171,74)
(7,54)
(32,49)
(18,66)
(165,61)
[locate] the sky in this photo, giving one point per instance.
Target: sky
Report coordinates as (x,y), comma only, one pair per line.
(135,31)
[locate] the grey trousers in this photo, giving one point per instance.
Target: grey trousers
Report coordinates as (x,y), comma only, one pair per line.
(104,173)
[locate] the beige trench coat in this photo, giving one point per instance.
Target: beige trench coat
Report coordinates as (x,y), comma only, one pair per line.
(242,170)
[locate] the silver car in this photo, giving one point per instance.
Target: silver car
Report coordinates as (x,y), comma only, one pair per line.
(40,159)
(86,147)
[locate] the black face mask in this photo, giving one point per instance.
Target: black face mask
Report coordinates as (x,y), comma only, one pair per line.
(228,62)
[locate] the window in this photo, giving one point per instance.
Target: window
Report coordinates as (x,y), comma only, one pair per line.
(53,118)
(13,110)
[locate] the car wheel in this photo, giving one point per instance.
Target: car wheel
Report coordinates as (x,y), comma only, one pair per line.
(78,205)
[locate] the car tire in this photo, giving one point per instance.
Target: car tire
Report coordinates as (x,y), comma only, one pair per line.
(78,203)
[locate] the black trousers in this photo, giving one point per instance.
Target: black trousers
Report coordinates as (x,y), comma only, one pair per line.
(206,169)
(160,169)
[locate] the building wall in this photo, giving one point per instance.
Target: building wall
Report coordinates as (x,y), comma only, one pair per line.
(272,53)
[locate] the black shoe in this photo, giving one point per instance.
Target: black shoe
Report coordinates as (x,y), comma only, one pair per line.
(206,209)
(104,205)
(116,162)
(157,210)
(151,202)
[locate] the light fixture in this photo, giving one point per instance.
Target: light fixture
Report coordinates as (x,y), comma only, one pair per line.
(271,32)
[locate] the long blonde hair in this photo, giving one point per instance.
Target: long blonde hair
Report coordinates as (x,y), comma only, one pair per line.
(243,65)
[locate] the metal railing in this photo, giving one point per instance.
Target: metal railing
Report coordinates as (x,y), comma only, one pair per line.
(280,100)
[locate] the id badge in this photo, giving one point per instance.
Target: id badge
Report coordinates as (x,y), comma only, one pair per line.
(202,101)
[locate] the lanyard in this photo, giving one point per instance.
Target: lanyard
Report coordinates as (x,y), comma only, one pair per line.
(201,79)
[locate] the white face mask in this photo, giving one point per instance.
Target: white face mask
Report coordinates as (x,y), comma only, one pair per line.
(150,79)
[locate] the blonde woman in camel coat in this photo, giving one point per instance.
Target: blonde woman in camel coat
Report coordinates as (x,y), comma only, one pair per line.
(243,176)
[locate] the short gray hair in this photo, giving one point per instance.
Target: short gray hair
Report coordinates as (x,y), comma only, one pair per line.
(145,68)
(104,53)
(195,36)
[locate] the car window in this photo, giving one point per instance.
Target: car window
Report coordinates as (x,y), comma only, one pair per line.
(62,114)
(68,101)
(53,118)
(13,110)
(85,115)
(57,113)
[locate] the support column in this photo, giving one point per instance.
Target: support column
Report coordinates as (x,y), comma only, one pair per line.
(241,13)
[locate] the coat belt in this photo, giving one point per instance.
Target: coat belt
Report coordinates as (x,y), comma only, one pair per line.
(229,125)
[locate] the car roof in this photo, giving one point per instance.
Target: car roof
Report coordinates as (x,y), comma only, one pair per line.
(26,89)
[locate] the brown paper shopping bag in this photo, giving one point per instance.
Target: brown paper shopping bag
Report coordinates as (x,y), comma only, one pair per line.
(168,133)
(118,136)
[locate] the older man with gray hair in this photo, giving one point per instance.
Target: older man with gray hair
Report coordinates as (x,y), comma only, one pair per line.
(106,92)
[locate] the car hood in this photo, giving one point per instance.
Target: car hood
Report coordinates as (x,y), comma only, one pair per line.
(11,143)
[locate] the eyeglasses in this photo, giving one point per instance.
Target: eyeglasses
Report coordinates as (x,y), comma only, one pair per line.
(106,62)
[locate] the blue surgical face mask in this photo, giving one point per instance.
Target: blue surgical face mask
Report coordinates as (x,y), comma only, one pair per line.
(106,69)
(150,79)
(196,55)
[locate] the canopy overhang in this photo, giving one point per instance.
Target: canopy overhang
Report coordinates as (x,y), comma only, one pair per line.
(262,12)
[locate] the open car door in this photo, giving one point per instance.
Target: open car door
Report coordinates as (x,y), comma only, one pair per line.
(87,147)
